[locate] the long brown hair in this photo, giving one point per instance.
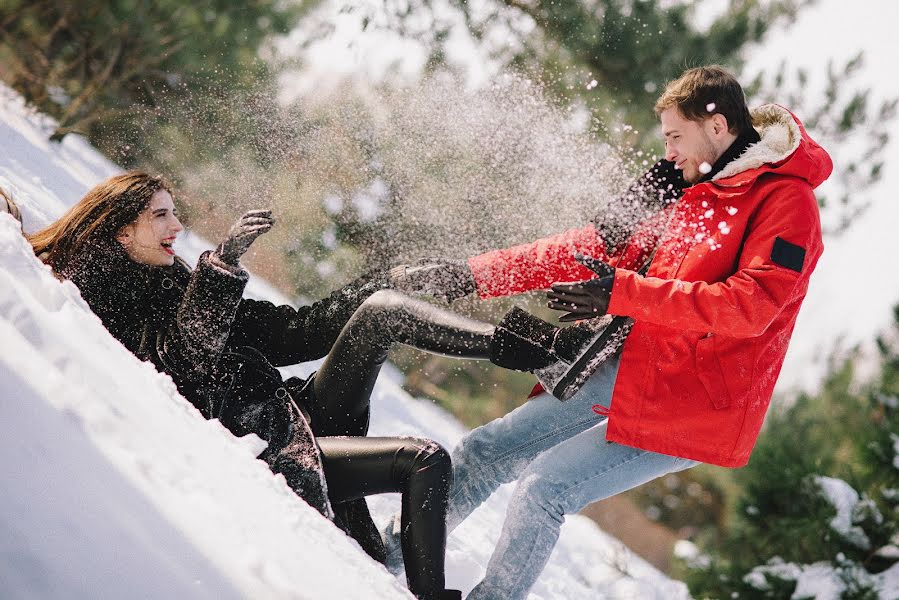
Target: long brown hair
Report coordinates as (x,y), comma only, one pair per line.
(10,206)
(100,215)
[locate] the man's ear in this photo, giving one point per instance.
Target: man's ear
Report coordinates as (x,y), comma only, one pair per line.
(719,124)
(125,235)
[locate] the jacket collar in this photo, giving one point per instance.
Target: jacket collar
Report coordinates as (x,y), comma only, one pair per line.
(743,141)
(779,137)
(784,147)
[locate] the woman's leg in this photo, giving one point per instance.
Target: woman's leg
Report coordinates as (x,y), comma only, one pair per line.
(345,380)
(418,468)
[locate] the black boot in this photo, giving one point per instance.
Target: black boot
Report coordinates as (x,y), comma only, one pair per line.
(524,342)
(442,595)
(590,345)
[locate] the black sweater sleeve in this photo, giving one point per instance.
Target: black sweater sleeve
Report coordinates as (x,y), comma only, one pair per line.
(191,344)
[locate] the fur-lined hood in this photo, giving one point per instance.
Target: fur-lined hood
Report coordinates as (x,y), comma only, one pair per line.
(785,148)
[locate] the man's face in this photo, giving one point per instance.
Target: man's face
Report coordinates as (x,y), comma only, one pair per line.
(690,145)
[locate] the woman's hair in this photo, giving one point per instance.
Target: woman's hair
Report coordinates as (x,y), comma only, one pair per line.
(10,206)
(701,92)
(100,215)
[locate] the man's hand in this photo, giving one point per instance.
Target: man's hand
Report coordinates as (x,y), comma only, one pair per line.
(584,299)
(444,279)
(249,227)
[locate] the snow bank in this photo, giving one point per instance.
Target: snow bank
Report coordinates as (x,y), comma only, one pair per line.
(114,486)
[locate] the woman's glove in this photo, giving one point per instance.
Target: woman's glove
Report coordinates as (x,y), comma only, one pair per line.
(249,227)
(584,299)
(444,279)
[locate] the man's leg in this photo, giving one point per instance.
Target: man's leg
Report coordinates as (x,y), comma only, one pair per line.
(559,482)
(499,451)
(496,453)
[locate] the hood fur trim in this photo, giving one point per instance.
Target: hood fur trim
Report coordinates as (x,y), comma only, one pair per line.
(780,138)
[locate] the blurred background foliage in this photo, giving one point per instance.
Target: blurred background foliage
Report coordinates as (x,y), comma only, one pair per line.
(366,176)
(783,518)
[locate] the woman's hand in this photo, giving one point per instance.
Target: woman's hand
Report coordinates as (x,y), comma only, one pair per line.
(249,227)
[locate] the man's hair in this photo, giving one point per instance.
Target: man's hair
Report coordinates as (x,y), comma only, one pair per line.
(701,92)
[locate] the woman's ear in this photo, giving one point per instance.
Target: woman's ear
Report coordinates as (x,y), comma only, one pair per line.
(124,237)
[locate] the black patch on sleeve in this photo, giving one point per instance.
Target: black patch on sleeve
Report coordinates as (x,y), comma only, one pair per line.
(788,255)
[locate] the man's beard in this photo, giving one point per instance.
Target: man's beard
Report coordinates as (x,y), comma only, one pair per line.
(707,154)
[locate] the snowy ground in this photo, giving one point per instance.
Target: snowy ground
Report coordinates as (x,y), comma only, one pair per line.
(115,487)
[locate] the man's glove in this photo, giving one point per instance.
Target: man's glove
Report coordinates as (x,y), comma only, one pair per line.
(657,188)
(444,279)
(584,299)
(249,227)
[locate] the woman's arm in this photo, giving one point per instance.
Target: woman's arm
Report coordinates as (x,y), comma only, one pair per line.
(191,344)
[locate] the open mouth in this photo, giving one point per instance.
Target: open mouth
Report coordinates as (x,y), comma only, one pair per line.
(167,246)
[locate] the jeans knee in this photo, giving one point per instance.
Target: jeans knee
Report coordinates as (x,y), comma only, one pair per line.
(476,448)
(539,493)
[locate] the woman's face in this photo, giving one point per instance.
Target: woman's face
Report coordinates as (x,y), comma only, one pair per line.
(148,240)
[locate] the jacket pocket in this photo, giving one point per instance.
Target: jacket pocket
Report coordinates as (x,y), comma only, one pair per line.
(708,369)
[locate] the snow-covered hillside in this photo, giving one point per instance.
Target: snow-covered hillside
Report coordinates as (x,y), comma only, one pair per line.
(115,487)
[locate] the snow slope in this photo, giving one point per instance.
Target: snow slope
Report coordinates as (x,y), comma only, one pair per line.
(115,487)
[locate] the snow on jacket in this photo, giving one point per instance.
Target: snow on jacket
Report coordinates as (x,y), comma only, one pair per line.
(714,313)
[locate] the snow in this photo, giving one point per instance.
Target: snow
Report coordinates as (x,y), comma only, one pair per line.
(845,500)
(115,487)
(822,581)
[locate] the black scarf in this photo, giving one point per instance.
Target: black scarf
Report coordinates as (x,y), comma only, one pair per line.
(738,147)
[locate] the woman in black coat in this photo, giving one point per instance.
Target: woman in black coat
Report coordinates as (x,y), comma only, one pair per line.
(222,351)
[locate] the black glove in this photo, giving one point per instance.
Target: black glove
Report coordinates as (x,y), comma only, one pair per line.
(657,188)
(249,227)
(444,279)
(584,299)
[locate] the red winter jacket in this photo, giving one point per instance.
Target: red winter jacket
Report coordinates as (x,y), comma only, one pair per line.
(715,311)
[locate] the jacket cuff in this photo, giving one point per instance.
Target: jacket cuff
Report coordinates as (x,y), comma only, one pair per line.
(482,273)
(619,303)
(217,282)
(214,260)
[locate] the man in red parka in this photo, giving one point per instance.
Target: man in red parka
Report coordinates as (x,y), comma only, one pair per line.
(729,259)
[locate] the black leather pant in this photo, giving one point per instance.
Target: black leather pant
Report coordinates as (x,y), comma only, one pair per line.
(419,469)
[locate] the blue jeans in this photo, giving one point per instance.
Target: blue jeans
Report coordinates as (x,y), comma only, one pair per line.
(558,453)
